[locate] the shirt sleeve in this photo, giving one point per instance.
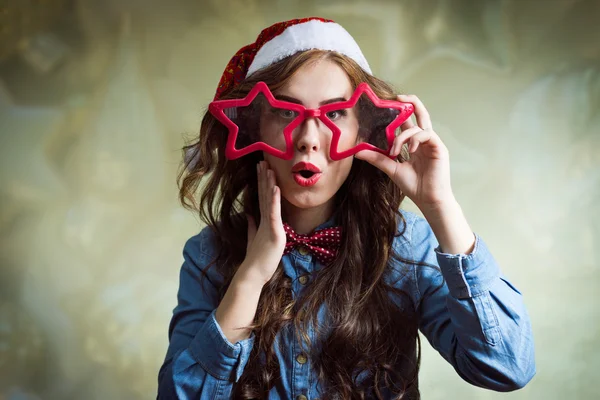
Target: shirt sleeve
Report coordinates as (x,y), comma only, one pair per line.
(200,362)
(471,314)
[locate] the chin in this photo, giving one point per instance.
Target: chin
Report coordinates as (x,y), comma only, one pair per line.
(307,200)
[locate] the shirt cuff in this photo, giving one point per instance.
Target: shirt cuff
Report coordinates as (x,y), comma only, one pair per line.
(468,275)
(216,354)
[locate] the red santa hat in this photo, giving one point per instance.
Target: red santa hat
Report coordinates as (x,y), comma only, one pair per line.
(284,39)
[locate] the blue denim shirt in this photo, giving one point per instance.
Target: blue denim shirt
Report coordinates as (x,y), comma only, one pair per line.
(469,312)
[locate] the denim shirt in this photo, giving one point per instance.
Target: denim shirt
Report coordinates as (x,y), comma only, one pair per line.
(469,312)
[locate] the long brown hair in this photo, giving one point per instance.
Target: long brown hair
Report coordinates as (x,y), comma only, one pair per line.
(370,347)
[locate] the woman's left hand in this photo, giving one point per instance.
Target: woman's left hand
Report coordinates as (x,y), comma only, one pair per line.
(425,178)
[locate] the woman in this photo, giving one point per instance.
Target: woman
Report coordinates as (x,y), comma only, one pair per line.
(309,281)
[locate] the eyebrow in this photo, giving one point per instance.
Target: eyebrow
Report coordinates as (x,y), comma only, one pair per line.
(296,101)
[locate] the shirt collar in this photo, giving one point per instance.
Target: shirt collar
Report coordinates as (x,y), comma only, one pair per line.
(332,221)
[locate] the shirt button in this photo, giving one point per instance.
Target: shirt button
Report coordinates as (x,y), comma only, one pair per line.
(303,250)
(303,279)
(301,397)
(301,359)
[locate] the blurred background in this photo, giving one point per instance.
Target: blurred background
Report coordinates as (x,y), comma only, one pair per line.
(96,98)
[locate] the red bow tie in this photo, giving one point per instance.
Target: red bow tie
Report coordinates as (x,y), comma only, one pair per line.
(323,243)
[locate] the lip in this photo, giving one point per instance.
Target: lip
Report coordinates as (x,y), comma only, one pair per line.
(302,181)
(305,166)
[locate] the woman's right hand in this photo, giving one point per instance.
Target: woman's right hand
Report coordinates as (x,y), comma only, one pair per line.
(267,243)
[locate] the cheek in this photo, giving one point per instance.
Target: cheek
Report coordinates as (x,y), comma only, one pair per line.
(273,136)
(349,135)
(277,165)
(342,170)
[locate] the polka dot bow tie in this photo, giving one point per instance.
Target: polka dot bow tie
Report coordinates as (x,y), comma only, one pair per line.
(323,243)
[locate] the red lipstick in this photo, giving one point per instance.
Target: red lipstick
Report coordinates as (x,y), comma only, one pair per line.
(306,174)
(305,166)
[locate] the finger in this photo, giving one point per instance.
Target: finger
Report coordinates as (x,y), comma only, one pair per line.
(416,140)
(261,190)
(269,185)
(402,138)
(276,222)
(271,180)
(275,204)
(407,124)
(421,113)
(273,193)
(251,230)
(267,178)
(378,160)
(259,187)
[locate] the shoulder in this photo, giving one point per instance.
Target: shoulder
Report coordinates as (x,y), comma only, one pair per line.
(207,241)
(199,252)
(415,235)
(414,246)
(202,244)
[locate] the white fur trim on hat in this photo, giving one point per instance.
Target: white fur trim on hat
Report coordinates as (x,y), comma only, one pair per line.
(313,34)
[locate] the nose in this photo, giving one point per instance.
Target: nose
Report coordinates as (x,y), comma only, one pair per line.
(309,135)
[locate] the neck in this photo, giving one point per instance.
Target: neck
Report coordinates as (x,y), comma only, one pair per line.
(305,220)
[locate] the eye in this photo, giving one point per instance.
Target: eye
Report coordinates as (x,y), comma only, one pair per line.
(285,114)
(333,115)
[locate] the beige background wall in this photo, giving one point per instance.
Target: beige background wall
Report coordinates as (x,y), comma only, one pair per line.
(91,123)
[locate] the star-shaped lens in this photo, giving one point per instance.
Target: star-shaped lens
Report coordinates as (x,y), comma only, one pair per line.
(259,122)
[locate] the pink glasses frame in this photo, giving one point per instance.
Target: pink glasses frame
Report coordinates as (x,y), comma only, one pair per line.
(216,108)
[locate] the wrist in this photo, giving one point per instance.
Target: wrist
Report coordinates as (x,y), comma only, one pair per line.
(249,276)
(450,227)
(441,208)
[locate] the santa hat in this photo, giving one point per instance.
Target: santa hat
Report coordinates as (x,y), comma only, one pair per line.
(284,39)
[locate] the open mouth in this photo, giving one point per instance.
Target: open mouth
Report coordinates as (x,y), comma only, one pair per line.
(306,178)
(306,173)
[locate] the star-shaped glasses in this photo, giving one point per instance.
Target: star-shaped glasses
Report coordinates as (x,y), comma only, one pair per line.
(259,122)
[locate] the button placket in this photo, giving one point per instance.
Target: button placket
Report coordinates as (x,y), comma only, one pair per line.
(301,374)
(301,359)
(303,279)
(303,250)
(300,369)
(303,268)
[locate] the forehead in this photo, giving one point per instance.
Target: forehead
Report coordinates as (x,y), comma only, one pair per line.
(318,81)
